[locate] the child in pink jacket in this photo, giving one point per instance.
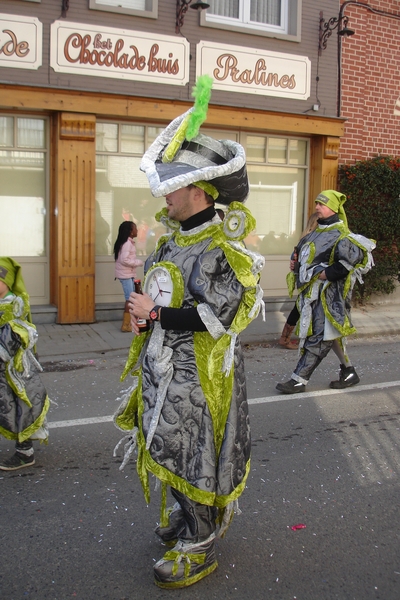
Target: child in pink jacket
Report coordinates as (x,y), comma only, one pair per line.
(125,264)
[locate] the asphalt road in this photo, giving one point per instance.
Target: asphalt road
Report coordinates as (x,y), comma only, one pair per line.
(75,526)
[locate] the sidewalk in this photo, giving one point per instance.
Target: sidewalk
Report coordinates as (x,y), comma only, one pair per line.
(63,342)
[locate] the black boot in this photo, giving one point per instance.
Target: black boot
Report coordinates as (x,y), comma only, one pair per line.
(347,378)
(23,457)
(291,387)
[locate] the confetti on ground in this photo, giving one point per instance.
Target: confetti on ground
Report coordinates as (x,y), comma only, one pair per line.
(299,526)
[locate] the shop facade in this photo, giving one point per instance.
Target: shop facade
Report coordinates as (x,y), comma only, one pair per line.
(86,86)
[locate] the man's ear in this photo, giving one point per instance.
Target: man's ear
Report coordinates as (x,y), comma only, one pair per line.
(200,196)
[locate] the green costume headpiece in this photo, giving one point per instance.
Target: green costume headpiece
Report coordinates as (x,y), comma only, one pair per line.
(11,275)
(333,200)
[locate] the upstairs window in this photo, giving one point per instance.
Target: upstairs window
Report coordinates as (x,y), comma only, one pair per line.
(279,18)
(139,8)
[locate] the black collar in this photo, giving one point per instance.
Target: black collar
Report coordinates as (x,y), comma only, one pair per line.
(329,220)
(198,219)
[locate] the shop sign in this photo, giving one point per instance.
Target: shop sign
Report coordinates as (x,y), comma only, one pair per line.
(20,42)
(119,53)
(254,71)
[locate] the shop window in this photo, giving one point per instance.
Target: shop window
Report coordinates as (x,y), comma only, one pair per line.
(278,175)
(277,150)
(122,190)
(23,158)
(140,8)
(256,148)
(259,17)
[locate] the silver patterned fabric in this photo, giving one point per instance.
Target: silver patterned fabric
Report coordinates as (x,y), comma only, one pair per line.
(324,306)
(183,441)
(190,406)
(23,398)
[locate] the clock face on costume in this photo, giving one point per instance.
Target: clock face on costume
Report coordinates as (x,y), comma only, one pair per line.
(159,285)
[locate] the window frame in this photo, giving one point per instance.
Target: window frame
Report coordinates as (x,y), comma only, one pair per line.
(293,13)
(149,14)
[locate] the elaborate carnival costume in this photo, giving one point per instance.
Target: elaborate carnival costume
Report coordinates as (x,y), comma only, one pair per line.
(187,409)
(23,399)
(324,305)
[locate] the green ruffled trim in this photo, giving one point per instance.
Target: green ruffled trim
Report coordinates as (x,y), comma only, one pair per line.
(8,310)
(291,283)
(360,265)
(222,501)
(27,433)
(216,387)
(18,392)
(146,464)
(311,253)
(127,419)
(134,353)
(176,141)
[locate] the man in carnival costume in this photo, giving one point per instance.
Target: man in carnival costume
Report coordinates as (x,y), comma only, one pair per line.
(188,406)
(331,259)
(23,399)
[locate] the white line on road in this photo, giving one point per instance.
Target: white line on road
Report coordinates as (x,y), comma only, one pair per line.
(275,398)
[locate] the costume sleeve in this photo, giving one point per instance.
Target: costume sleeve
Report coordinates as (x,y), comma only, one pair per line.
(9,343)
(181,319)
(347,255)
(336,271)
(213,283)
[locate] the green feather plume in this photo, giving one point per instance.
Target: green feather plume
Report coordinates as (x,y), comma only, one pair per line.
(190,126)
(202,94)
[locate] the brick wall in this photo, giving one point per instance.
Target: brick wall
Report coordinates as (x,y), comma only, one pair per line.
(371,82)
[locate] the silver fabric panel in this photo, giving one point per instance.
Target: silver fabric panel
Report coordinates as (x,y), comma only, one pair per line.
(16,415)
(183,439)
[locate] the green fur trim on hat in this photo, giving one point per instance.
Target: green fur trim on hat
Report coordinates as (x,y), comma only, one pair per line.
(208,188)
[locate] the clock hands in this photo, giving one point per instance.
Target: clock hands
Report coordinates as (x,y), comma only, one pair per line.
(160,292)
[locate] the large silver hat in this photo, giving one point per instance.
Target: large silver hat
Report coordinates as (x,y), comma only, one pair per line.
(177,159)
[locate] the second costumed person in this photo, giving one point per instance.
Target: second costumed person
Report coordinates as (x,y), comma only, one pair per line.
(187,408)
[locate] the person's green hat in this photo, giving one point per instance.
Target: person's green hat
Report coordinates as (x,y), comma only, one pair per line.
(333,200)
(11,275)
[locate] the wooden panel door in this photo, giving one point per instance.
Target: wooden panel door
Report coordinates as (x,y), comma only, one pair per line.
(74,239)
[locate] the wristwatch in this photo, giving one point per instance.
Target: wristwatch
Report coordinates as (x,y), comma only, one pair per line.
(153,314)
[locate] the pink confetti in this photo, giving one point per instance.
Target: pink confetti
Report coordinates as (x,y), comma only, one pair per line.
(299,526)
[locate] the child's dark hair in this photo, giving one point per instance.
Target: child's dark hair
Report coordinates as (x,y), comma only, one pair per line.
(124,232)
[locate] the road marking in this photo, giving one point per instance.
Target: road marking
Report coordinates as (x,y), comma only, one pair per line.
(329,392)
(252,401)
(77,422)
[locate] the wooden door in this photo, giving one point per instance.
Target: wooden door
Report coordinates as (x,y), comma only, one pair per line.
(73,238)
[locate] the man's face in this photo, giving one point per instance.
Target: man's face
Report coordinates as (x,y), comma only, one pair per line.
(180,204)
(3,289)
(323,211)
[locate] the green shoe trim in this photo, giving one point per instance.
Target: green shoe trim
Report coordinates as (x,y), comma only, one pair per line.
(189,580)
